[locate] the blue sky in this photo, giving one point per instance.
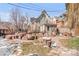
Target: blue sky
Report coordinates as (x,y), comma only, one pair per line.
(5,9)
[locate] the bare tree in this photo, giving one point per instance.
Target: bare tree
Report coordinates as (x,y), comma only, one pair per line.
(18,19)
(22,22)
(15,15)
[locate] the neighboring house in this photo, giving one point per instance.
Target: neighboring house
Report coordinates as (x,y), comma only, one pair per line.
(45,22)
(43,19)
(32,19)
(3,30)
(38,24)
(6,28)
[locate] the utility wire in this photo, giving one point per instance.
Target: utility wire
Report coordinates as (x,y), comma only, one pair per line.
(47,10)
(33,9)
(34,4)
(31,4)
(23,7)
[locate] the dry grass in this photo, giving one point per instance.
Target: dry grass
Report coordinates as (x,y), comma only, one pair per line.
(30,48)
(70,43)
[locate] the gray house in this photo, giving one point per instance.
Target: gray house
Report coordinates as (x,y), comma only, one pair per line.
(44,23)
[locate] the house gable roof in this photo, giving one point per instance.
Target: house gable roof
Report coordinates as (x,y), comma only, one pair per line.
(43,14)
